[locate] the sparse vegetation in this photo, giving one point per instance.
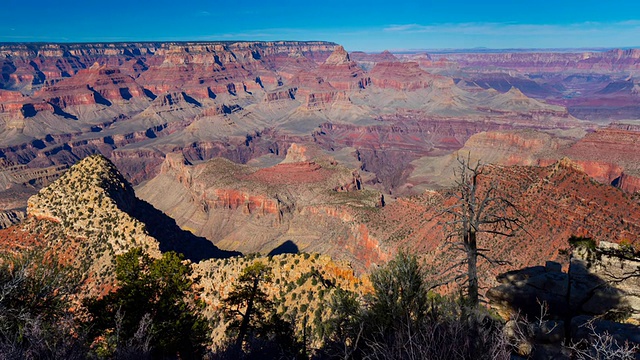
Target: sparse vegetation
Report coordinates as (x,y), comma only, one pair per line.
(399,320)
(36,317)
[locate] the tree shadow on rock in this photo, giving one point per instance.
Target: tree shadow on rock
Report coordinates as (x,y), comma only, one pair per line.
(565,294)
(287,247)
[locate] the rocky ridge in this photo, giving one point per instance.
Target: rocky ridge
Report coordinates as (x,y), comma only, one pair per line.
(90,203)
(91,214)
(556,201)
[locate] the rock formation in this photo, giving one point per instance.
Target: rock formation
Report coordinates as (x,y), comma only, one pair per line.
(556,202)
(252,209)
(161,111)
(592,85)
(10,217)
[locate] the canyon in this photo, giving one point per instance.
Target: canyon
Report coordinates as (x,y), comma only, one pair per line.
(323,165)
(242,143)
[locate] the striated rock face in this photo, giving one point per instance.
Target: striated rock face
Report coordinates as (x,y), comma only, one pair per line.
(246,208)
(400,76)
(395,150)
(96,85)
(239,100)
(393,124)
(610,155)
(19,175)
(258,209)
(522,147)
(547,61)
(592,85)
(250,209)
(17,184)
(630,183)
(330,82)
(10,217)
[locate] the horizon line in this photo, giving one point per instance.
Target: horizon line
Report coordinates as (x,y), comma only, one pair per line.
(398,51)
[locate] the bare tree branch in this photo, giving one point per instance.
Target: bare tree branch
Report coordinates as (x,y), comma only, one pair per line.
(480,208)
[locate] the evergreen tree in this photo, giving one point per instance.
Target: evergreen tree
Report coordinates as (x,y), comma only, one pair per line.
(155,291)
(255,325)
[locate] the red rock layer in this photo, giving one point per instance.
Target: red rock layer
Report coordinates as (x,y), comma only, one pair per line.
(608,153)
(555,202)
(400,76)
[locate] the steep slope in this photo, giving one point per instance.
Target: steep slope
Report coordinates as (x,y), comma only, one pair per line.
(556,201)
(610,155)
(308,201)
(84,215)
(90,215)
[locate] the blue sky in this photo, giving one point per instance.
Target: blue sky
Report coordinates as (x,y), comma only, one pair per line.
(370,26)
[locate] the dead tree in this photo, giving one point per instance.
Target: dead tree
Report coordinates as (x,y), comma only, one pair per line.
(480,208)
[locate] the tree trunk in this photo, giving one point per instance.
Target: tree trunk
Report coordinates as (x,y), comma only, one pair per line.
(244,326)
(569,312)
(472,270)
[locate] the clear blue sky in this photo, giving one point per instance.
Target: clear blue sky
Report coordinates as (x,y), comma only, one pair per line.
(371,26)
